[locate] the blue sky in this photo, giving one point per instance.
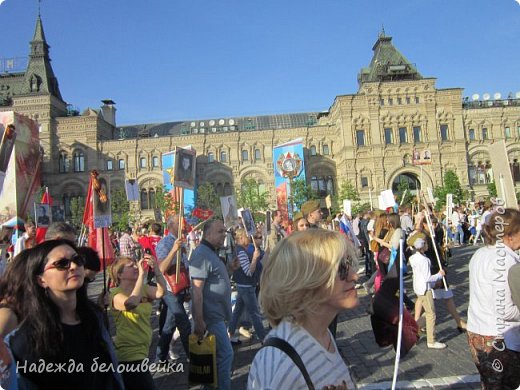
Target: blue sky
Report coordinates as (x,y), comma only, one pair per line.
(165,60)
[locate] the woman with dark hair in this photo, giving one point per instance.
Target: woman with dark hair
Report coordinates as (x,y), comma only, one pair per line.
(493,319)
(59,325)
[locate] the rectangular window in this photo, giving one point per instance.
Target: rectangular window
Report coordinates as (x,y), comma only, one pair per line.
(390,101)
(364,181)
(121,164)
(507,133)
(223,156)
(110,165)
(407,100)
(417,134)
(484,133)
(382,102)
(399,101)
(388,136)
(403,139)
(313,150)
(211,157)
(155,162)
(417,100)
(258,154)
(360,137)
(142,162)
(444,132)
(245,155)
(325,150)
(471,134)
(518,131)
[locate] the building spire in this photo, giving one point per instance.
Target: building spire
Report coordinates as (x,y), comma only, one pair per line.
(39,3)
(382,33)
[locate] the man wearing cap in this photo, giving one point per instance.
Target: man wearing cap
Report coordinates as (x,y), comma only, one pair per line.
(312,212)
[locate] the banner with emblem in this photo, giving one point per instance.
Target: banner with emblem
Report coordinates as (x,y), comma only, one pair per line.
(289,165)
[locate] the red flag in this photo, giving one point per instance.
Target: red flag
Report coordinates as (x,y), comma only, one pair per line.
(201,213)
(97,236)
(41,231)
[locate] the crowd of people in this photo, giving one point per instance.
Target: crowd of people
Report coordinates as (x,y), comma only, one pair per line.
(290,283)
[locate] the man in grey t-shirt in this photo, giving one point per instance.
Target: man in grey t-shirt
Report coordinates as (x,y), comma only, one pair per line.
(212,296)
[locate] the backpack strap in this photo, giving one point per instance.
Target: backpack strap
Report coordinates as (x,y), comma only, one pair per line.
(287,348)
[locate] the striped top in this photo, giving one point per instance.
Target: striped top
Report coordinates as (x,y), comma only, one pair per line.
(273,369)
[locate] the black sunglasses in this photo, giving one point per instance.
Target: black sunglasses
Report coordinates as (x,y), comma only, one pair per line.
(344,268)
(64,263)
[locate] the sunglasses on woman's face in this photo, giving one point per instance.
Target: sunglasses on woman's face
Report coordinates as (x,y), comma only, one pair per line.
(344,268)
(65,263)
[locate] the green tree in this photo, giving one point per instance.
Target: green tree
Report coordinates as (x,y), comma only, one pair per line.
(492,189)
(403,189)
(348,191)
(302,192)
(164,201)
(120,208)
(77,208)
(251,196)
(208,199)
(451,186)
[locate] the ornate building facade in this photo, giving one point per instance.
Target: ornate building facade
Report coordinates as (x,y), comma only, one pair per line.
(367,137)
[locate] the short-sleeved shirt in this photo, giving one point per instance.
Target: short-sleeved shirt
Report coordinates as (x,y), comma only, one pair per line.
(216,294)
(133,330)
(273,369)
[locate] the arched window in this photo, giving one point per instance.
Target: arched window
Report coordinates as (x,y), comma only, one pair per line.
(144,200)
(313,150)
(223,156)
(155,162)
(63,162)
(79,161)
(326,150)
(151,194)
(245,155)
(258,155)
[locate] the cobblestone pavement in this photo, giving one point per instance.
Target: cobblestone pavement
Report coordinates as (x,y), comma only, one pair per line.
(371,366)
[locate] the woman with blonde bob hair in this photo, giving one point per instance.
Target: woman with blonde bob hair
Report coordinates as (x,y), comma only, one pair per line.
(309,278)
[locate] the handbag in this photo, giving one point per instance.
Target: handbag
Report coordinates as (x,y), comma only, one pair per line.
(203,360)
(291,352)
(384,255)
(184,279)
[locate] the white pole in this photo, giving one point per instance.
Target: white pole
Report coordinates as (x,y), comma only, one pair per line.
(400,326)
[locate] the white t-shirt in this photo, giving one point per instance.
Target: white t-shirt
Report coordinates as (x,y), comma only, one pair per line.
(273,369)
(491,310)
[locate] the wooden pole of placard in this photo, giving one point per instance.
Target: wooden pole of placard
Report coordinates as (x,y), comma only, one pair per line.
(179,233)
(432,235)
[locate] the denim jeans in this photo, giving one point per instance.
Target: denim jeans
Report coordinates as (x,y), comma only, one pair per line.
(224,354)
(175,317)
(246,298)
(459,235)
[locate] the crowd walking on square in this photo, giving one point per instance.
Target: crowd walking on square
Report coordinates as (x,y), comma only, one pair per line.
(285,285)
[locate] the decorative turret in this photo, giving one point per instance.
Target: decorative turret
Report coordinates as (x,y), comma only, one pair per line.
(387,64)
(39,77)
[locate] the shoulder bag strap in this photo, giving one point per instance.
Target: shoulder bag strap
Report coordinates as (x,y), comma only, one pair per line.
(290,351)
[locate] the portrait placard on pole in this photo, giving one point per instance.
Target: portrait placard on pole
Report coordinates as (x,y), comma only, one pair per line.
(102,209)
(184,173)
